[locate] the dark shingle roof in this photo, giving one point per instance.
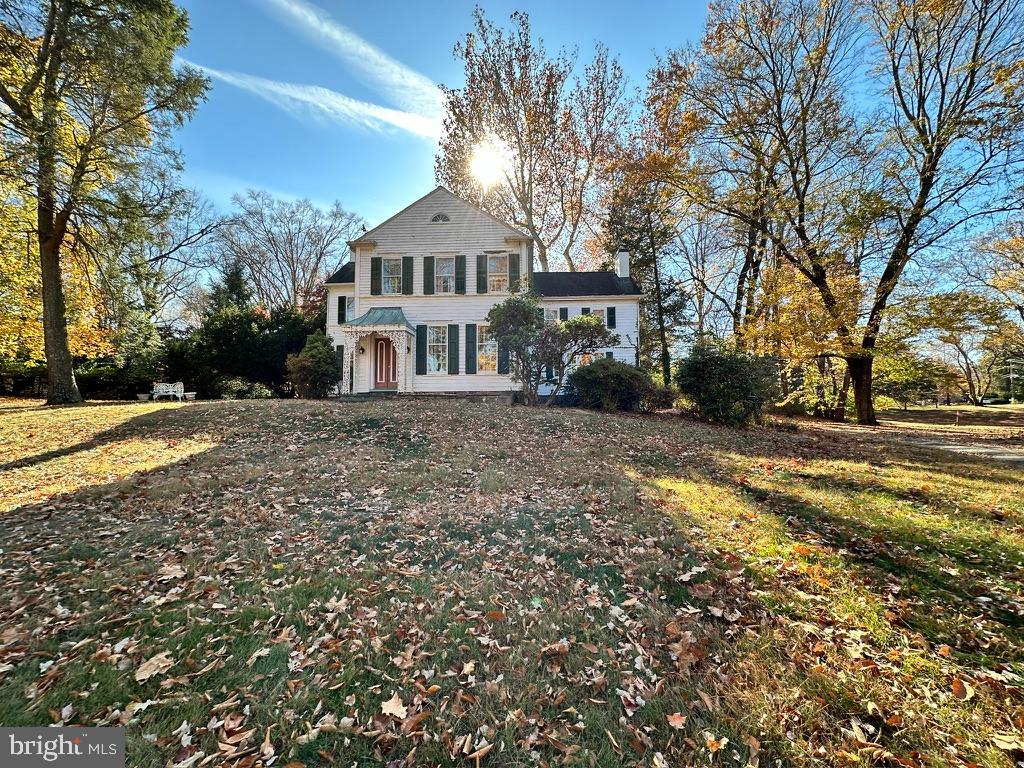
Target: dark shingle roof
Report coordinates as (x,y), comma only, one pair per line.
(347,274)
(583,284)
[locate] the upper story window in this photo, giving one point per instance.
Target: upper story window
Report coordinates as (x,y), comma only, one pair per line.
(599,313)
(350,309)
(550,315)
(444,274)
(440,218)
(497,273)
(391,276)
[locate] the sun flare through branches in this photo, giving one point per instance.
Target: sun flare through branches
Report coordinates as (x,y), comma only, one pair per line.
(489,162)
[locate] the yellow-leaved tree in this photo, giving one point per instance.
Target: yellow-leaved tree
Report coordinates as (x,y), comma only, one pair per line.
(90,92)
(21,305)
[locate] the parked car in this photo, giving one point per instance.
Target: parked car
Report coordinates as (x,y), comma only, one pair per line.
(994,400)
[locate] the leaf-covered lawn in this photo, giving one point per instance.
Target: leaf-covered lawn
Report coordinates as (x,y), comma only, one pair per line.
(439,582)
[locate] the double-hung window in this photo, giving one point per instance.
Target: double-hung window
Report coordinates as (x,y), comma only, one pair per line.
(391,276)
(550,315)
(497,273)
(444,274)
(486,351)
(350,309)
(437,349)
(599,313)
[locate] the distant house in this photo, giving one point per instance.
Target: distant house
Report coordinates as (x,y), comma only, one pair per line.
(408,312)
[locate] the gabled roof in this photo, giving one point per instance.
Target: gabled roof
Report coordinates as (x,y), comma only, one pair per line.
(378,316)
(345,274)
(583,284)
(368,237)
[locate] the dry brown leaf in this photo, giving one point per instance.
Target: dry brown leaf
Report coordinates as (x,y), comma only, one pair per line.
(154,666)
(394,707)
(677,720)
(962,690)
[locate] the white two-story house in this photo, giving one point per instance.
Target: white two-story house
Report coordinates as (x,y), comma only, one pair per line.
(408,312)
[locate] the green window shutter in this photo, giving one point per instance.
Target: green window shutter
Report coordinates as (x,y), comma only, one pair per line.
(563,313)
(421,350)
(481,273)
(453,350)
(407,262)
(341,310)
(428,275)
(549,373)
(513,271)
(610,315)
(470,347)
(460,273)
(503,358)
(339,354)
(375,272)
(609,355)
(585,311)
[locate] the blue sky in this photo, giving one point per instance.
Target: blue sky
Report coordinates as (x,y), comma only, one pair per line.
(334,99)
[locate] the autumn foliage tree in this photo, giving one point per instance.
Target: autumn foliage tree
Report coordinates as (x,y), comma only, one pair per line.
(767,131)
(996,264)
(540,133)
(973,332)
(90,93)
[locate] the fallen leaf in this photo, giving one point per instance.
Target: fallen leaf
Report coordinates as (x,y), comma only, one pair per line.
(1008,741)
(154,666)
(962,690)
(393,707)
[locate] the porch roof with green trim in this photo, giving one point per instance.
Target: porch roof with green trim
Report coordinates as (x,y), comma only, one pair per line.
(378,317)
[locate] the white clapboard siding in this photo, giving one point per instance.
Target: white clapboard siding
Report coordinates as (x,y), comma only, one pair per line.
(627,323)
(469,232)
(411,230)
(627,319)
(335,290)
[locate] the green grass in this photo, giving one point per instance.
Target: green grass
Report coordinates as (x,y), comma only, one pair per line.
(546,587)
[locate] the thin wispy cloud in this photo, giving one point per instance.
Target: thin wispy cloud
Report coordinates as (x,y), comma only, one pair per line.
(404,86)
(314,101)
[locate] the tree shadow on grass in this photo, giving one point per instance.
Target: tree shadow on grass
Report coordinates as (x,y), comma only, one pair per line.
(945,556)
(153,424)
(221,517)
(42,406)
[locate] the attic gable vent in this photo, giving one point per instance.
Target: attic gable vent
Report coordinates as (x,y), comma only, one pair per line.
(440,218)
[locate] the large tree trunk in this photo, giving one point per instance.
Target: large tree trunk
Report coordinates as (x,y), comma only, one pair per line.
(60,376)
(860,377)
(542,253)
(50,230)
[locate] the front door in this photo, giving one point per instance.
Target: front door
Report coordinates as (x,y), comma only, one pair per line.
(385,365)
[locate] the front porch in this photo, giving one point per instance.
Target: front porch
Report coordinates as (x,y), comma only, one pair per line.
(375,349)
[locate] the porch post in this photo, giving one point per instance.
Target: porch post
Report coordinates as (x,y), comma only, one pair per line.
(399,338)
(350,341)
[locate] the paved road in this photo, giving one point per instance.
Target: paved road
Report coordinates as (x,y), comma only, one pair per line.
(1013,456)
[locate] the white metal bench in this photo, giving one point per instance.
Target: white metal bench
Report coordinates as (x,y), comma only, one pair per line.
(175,391)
